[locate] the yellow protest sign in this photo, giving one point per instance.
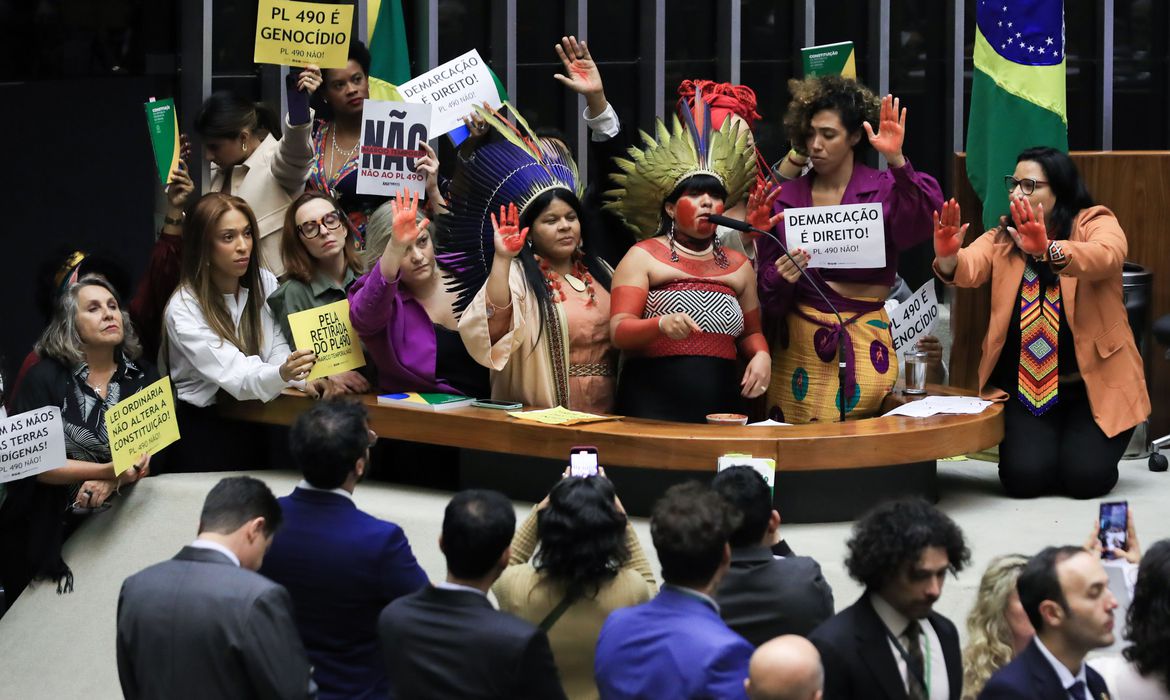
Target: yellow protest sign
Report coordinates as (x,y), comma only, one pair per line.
(326,331)
(290,33)
(142,423)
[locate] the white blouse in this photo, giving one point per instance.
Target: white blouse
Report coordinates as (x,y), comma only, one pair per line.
(201,362)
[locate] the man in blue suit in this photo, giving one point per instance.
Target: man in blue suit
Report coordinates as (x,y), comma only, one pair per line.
(1065,592)
(676,645)
(341,565)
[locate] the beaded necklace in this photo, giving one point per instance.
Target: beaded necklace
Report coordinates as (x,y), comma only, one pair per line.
(580,275)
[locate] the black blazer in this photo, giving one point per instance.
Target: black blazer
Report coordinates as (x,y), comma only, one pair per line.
(1030,677)
(444,644)
(857,658)
(762,597)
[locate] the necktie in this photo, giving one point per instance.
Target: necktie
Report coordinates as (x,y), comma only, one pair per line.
(1039,329)
(915,669)
(1076,691)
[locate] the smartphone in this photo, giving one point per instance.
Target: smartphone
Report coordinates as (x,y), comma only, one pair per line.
(583,461)
(502,405)
(1114,518)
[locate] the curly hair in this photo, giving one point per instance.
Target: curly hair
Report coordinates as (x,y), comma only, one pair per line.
(582,533)
(989,638)
(61,339)
(894,534)
(1148,617)
(852,101)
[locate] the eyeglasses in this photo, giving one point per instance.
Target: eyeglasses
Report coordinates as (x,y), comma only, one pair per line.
(1027,185)
(312,229)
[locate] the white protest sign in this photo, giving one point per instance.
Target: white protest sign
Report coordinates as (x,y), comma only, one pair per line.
(392,137)
(914,317)
(846,236)
(31,443)
(453,90)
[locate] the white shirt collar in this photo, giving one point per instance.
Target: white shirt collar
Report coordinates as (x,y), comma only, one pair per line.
(216,546)
(894,621)
(1062,672)
(448,586)
(339,491)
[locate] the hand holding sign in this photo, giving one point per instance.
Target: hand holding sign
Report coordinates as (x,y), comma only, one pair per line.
(948,234)
(1029,234)
(790,272)
(891,131)
(298,365)
(508,234)
(309,79)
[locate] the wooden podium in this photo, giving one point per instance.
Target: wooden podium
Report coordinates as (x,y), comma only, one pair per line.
(1135,185)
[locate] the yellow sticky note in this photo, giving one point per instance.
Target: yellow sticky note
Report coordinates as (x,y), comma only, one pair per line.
(326,330)
(143,423)
(290,33)
(559,416)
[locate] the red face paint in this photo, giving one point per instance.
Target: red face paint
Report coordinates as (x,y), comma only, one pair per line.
(688,219)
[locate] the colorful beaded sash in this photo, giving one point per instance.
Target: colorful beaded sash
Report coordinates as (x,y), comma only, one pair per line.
(1039,328)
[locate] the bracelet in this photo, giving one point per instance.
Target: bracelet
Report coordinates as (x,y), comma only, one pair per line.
(174,222)
(797,163)
(492,308)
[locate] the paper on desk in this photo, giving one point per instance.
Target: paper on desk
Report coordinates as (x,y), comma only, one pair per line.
(560,416)
(935,405)
(767,423)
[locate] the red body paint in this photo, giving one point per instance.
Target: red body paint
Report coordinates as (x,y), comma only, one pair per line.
(686,215)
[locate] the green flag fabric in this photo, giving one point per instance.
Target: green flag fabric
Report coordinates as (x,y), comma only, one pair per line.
(389,53)
(1017,93)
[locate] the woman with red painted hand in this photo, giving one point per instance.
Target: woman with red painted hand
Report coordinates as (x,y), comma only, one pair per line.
(833,119)
(538,317)
(318,248)
(222,338)
(405,313)
(1058,348)
(253,161)
(682,303)
(90,360)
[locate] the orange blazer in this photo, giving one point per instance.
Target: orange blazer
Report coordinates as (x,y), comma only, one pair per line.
(1090,289)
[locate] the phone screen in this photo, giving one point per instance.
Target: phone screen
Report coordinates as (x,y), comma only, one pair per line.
(1114,517)
(583,461)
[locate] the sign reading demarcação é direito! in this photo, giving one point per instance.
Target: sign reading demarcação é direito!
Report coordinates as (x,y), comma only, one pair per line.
(392,138)
(142,423)
(914,317)
(31,442)
(290,33)
(453,90)
(846,236)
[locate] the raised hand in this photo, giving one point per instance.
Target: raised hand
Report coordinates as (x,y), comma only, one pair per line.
(428,167)
(581,74)
(759,207)
(891,130)
(309,79)
(508,234)
(948,230)
(1030,234)
(404,208)
(180,187)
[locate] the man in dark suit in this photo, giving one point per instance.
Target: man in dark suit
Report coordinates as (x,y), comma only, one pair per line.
(890,644)
(1065,592)
(205,625)
(340,565)
(764,596)
(446,640)
(676,645)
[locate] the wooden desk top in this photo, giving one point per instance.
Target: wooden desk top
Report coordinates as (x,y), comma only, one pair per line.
(636,442)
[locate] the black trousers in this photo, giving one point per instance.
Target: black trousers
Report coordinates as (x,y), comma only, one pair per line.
(211,443)
(1061,452)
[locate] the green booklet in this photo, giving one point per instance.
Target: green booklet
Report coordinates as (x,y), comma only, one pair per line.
(163,124)
(829,59)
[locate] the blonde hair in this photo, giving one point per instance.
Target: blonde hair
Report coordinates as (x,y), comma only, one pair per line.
(989,645)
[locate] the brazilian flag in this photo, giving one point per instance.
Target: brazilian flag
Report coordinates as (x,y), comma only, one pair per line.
(1017,92)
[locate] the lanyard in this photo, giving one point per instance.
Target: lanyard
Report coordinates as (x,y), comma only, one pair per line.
(925,679)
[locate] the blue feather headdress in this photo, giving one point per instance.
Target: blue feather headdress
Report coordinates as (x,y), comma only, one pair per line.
(514,171)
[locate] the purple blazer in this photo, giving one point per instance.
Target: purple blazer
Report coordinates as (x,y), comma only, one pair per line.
(908,198)
(398,334)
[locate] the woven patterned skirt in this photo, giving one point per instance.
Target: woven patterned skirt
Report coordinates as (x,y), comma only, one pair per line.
(805,387)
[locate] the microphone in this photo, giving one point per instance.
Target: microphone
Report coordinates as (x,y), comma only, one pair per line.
(737,225)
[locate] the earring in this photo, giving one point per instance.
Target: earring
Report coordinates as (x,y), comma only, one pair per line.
(670,237)
(718,253)
(245,147)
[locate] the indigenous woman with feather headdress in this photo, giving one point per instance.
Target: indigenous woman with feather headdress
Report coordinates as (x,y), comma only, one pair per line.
(682,303)
(534,298)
